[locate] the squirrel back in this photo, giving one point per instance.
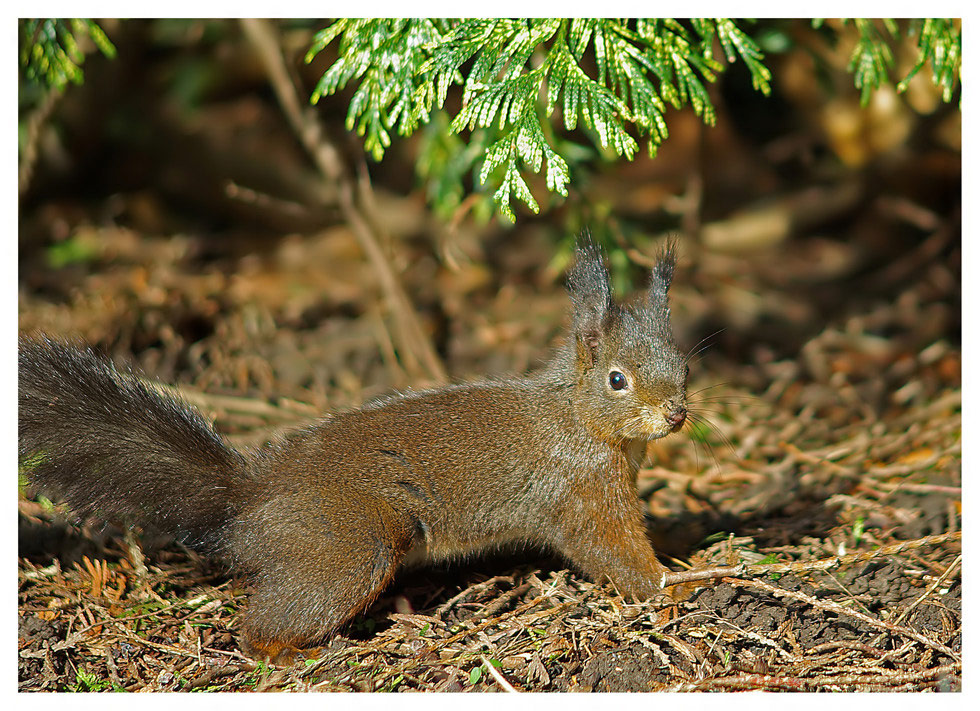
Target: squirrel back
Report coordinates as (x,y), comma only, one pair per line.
(324,517)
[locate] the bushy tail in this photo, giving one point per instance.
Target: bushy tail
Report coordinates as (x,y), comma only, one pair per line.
(113,446)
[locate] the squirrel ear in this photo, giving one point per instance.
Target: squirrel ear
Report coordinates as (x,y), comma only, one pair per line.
(663,272)
(588,285)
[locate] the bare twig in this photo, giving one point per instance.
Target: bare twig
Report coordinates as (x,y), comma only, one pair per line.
(288,410)
(501,602)
(218,673)
(471,590)
(761,569)
(764,681)
(415,348)
(839,609)
(498,677)
(939,581)
(440,644)
(35,125)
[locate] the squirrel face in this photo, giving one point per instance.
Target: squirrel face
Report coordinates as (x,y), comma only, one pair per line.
(631,379)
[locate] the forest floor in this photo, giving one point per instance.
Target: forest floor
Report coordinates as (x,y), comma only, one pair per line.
(851,445)
(828,320)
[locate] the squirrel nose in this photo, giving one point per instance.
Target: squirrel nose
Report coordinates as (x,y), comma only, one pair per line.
(675,418)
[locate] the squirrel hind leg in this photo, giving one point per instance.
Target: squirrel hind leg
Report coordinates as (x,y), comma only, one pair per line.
(314,574)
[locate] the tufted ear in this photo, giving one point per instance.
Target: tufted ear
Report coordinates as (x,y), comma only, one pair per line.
(588,285)
(663,272)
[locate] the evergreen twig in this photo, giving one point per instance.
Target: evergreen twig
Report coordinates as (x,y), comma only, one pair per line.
(613,79)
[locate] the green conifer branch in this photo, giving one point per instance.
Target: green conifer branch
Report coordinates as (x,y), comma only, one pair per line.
(872,58)
(50,53)
(404,69)
(940,43)
(515,74)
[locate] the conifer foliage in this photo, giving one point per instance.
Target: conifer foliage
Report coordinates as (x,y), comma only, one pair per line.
(50,51)
(528,90)
(939,43)
(516,74)
(525,80)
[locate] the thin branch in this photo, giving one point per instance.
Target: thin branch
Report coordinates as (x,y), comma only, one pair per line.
(830,606)
(498,677)
(763,682)
(762,569)
(415,347)
(939,581)
(35,126)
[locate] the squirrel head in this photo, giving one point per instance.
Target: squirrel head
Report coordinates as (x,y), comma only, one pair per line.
(630,378)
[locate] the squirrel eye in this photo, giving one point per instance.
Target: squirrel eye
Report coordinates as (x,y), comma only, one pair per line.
(617,381)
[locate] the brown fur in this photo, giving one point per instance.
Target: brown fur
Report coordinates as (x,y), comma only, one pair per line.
(324,518)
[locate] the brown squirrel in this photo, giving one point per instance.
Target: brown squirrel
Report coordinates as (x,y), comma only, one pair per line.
(323,518)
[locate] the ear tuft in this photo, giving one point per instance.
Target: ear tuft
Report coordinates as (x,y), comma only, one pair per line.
(663,272)
(588,286)
(658,309)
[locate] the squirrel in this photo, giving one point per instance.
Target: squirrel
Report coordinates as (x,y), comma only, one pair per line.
(322,518)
